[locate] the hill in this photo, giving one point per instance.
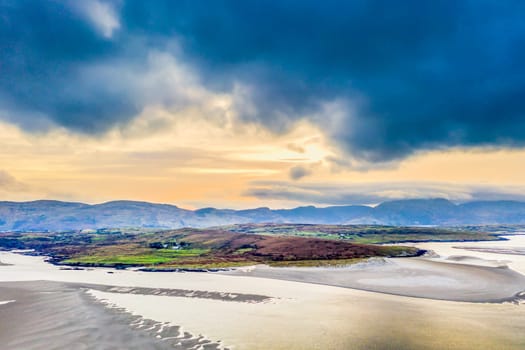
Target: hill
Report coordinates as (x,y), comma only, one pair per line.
(63,216)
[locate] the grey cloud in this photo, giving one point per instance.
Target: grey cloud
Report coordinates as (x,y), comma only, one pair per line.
(295,147)
(374,193)
(298,172)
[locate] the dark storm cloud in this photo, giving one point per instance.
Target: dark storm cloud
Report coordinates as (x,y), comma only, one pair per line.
(45,47)
(406,76)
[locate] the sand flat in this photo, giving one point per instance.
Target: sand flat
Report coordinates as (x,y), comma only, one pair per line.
(417,277)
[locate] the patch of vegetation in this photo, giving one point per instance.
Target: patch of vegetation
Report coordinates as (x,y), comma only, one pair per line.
(155,256)
(316,263)
(498,229)
(367,234)
(241,251)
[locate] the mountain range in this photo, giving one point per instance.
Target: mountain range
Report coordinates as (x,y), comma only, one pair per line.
(47,215)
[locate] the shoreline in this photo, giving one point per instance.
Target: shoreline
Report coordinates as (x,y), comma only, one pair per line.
(58,260)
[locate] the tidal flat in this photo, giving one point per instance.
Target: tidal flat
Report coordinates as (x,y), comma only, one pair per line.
(240,310)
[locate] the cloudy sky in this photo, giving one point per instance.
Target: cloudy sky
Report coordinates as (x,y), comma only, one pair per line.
(276,103)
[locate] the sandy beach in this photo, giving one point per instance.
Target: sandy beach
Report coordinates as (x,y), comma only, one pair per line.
(264,308)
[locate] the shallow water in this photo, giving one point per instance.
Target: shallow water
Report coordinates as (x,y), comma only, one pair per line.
(448,249)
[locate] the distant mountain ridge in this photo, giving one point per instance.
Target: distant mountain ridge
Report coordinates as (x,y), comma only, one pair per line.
(49,215)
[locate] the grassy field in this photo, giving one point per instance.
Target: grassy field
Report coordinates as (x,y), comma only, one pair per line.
(152,257)
(315,263)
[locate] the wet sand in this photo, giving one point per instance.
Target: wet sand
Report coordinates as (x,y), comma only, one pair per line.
(54,315)
(416,277)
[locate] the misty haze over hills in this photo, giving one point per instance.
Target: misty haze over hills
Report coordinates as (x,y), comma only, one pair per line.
(57,216)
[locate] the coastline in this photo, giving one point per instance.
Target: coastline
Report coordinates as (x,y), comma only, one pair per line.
(58,260)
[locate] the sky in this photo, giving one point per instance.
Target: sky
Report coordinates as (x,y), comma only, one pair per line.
(245,104)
